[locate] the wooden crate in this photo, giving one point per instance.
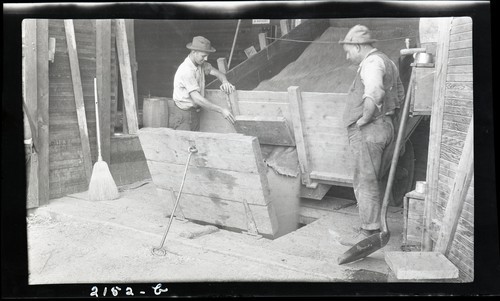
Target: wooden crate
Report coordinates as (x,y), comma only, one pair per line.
(413,220)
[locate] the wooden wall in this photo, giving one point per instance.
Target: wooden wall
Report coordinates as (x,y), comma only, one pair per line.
(67,174)
(66,170)
(456,116)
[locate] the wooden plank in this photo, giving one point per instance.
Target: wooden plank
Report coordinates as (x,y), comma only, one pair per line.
(296,110)
(461,28)
(222,64)
(460,37)
(269,130)
(126,77)
(460,69)
(211,121)
(460,61)
(262,41)
(78,94)
(42,31)
(461,21)
(284,27)
(129,27)
(331,177)
(30,106)
(233,152)
(209,182)
(262,96)
(436,126)
(466,52)
(222,212)
(456,199)
(461,44)
(233,103)
(103,75)
(114,78)
(459,77)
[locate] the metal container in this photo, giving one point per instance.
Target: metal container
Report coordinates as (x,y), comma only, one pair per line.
(423,58)
(155,112)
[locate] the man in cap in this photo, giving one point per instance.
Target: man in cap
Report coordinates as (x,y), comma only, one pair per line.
(374,96)
(189,87)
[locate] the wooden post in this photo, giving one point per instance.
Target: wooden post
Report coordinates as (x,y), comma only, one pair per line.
(456,200)
(114,77)
(295,99)
(30,105)
(129,27)
(284,27)
(436,126)
(103,75)
(222,64)
(78,92)
(42,32)
(233,99)
(262,40)
(126,77)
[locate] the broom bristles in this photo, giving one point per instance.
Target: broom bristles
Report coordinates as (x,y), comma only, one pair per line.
(102,187)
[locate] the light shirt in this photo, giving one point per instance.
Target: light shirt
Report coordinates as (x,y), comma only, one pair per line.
(189,78)
(371,71)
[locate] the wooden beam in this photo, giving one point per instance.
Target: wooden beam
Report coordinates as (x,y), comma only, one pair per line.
(30,106)
(126,77)
(78,92)
(42,32)
(233,101)
(269,130)
(262,40)
(459,189)
(436,126)
(295,99)
(129,27)
(222,64)
(114,77)
(284,27)
(103,75)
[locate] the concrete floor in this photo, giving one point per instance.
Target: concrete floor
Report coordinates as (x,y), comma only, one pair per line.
(74,240)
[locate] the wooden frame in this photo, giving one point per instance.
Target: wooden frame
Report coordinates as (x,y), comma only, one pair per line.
(436,127)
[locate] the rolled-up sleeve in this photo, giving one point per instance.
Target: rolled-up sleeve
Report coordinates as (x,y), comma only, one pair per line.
(372,75)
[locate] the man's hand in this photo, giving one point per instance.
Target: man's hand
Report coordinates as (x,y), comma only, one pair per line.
(227,87)
(227,115)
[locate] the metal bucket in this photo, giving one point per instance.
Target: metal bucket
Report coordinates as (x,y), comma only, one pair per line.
(155,112)
(424,58)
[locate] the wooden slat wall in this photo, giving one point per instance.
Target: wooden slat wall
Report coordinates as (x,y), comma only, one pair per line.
(67,174)
(458,110)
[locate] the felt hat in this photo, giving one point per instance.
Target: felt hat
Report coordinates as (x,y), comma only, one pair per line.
(200,43)
(359,34)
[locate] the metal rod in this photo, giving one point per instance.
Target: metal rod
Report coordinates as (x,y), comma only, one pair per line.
(234,43)
(191,150)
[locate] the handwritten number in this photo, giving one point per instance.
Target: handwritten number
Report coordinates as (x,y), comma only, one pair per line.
(129,291)
(114,290)
(94,292)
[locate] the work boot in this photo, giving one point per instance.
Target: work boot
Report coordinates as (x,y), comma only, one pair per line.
(352,239)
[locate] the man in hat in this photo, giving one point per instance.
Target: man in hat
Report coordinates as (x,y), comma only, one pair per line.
(374,96)
(189,87)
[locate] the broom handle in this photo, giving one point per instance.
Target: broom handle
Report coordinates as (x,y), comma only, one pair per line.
(395,156)
(97,121)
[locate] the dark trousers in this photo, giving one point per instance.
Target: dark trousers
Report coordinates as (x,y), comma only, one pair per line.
(367,146)
(185,120)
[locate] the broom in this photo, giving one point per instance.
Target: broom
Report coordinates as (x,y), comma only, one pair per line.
(102,186)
